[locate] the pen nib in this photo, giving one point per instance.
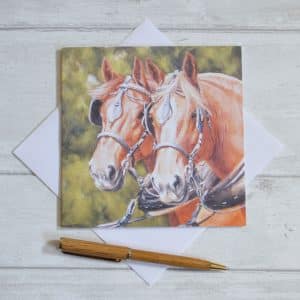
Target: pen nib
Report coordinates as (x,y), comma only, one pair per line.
(218,267)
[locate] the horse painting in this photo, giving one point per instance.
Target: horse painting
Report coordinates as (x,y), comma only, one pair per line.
(184,127)
(198,118)
(117,107)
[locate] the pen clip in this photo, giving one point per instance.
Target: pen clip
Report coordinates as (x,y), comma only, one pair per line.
(115,259)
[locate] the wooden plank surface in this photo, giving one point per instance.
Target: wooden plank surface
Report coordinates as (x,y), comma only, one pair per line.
(122,284)
(264,256)
(169,14)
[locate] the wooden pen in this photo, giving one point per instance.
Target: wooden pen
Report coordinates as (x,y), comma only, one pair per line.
(118,253)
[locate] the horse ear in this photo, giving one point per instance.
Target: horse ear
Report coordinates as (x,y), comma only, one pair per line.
(189,67)
(138,72)
(155,73)
(107,71)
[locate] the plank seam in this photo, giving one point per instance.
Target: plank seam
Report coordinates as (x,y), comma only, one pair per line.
(92,28)
(235,270)
(13,173)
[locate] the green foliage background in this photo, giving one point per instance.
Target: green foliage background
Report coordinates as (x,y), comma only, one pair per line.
(82,204)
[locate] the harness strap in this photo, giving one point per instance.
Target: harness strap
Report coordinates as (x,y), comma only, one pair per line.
(135,87)
(116,137)
(173,146)
(124,87)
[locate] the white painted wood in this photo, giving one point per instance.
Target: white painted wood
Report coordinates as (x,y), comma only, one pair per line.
(264,255)
(123,284)
(271,92)
(169,14)
(269,241)
(29,230)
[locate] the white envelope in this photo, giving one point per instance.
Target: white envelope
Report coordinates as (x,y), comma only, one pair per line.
(44,142)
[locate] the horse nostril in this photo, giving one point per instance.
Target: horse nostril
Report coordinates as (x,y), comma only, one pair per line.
(92,172)
(111,172)
(154,185)
(177,183)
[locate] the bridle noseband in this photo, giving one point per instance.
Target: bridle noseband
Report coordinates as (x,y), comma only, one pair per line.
(200,115)
(128,161)
(224,188)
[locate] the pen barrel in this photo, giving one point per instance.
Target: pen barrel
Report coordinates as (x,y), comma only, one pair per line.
(92,249)
(118,253)
(173,260)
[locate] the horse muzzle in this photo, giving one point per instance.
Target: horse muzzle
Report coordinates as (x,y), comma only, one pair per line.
(154,197)
(109,179)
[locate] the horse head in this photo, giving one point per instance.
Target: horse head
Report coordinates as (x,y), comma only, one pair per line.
(193,121)
(117,107)
(178,120)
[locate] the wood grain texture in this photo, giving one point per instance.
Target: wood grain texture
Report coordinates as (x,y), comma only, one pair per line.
(169,14)
(122,284)
(120,253)
(264,255)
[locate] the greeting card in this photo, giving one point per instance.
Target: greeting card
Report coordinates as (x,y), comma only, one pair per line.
(152,136)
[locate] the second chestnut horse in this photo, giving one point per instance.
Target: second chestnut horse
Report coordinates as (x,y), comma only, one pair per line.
(181,99)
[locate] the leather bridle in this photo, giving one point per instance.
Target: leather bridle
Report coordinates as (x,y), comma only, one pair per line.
(190,156)
(190,169)
(128,161)
(200,115)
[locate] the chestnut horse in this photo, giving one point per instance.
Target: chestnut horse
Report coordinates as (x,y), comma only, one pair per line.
(196,116)
(117,107)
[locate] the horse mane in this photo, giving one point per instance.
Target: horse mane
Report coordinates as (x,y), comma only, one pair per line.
(222,81)
(222,84)
(106,88)
(223,96)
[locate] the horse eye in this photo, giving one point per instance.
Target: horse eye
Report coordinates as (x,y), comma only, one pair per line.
(194,115)
(141,115)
